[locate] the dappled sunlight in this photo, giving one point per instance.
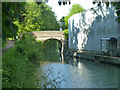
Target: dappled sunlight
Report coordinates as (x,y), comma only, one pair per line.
(78,73)
(90,26)
(35,45)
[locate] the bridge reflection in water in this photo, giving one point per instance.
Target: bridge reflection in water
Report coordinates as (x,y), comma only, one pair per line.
(52,50)
(77,73)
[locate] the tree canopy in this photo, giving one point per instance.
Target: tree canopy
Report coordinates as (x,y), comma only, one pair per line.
(76,8)
(20,17)
(10,13)
(62,22)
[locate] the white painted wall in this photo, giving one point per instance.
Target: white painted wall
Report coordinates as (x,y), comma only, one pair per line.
(87,28)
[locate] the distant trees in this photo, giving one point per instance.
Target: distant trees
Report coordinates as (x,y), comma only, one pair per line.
(62,23)
(38,17)
(76,8)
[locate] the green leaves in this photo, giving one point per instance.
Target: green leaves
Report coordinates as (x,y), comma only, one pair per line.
(11,12)
(66,33)
(39,18)
(21,17)
(8,28)
(76,8)
(18,63)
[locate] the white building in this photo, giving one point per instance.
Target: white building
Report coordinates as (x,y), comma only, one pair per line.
(95,29)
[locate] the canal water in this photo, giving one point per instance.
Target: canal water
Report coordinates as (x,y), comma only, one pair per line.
(71,72)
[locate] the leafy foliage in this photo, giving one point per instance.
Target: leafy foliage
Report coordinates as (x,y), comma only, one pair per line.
(24,17)
(11,12)
(66,41)
(25,48)
(62,21)
(38,18)
(76,8)
(66,33)
(18,63)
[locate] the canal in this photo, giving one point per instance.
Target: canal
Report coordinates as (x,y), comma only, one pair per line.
(71,72)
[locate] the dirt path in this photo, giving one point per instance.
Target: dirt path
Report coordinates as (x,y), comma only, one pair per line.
(9,45)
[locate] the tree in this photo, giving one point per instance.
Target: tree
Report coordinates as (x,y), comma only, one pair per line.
(50,22)
(38,18)
(11,12)
(62,21)
(21,17)
(76,8)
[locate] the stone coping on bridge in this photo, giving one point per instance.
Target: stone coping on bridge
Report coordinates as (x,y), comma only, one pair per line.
(44,35)
(48,33)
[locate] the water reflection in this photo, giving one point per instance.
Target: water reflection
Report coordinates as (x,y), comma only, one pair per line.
(76,73)
(70,72)
(52,49)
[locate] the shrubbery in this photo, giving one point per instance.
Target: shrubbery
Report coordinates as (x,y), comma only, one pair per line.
(66,33)
(29,48)
(18,63)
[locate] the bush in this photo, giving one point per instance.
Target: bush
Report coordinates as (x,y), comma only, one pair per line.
(29,48)
(66,33)
(4,43)
(18,63)
(16,71)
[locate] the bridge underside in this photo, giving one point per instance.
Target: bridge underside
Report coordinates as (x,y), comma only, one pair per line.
(46,35)
(46,38)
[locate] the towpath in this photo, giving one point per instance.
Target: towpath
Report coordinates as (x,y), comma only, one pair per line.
(10,44)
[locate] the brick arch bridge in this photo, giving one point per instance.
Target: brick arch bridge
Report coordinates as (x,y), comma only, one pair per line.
(45,35)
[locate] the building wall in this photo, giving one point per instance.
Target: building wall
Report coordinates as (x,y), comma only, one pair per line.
(118,44)
(87,28)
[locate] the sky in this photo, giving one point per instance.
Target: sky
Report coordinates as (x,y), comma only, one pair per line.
(63,10)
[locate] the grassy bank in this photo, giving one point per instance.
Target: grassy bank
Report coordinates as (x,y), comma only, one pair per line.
(18,63)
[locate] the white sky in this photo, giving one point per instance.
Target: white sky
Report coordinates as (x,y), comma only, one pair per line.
(63,10)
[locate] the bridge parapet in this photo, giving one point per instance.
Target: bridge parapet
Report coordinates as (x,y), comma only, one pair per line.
(48,33)
(45,35)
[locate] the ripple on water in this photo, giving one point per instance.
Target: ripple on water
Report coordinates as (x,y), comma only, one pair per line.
(82,74)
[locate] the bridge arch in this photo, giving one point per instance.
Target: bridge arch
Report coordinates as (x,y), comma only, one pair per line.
(61,41)
(46,35)
(49,38)
(53,39)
